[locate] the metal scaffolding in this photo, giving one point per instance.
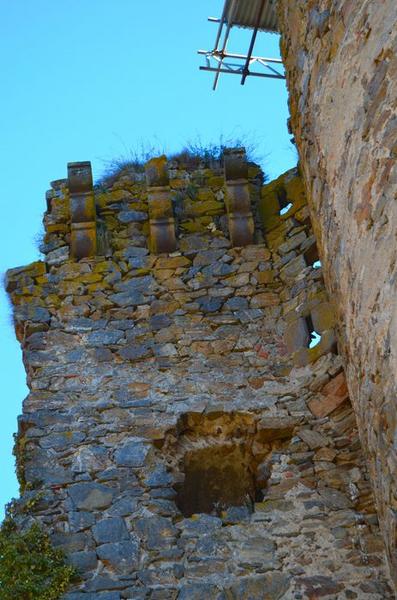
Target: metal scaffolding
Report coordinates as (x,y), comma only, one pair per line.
(258,15)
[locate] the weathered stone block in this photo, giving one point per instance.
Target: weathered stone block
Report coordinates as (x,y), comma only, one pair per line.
(30,312)
(236,303)
(61,441)
(123,299)
(93,596)
(90,495)
(199,591)
(104,337)
(155,531)
(272,586)
(132,454)
(296,335)
(124,507)
(80,520)
(209,304)
(276,428)
(83,561)
(131,216)
(265,299)
(123,555)
(112,529)
(200,525)
(312,438)
(323,316)
(159,477)
(292,269)
(332,395)
(102,582)
(136,351)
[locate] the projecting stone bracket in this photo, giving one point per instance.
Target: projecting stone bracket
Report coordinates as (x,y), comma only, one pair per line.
(238,201)
(161,215)
(82,210)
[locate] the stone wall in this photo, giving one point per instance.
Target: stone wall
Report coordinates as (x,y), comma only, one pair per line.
(341,65)
(182,439)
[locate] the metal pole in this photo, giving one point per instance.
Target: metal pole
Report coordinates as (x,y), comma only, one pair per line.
(232,72)
(252,43)
(244,56)
(229,25)
(221,22)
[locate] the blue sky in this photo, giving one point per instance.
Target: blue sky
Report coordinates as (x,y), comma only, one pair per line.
(94,80)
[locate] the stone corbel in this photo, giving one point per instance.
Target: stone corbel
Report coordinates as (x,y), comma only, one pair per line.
(238,201)
(161,216)
(82,210)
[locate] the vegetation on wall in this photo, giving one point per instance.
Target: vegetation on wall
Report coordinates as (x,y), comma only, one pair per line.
(30,568)
(19,451)
(194,153)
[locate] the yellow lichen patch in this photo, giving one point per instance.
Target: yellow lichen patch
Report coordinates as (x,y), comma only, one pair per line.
(161,208)
(156,171)
(269,206)
(146,228)
(264,276)
(97,287)
(34,269)
(69,288)
(205,195)
(177,183)
(323,316)
(172,262)
(116,195)
(216,182)
(57,228)
(90,278)
(42,280)
(295,194)
(288,188)
(105,266)
(101,200)
(207,207)
(139,272)
(276,237)
(192,226)
(53,300)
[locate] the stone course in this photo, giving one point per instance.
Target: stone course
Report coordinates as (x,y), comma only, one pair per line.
(160,382)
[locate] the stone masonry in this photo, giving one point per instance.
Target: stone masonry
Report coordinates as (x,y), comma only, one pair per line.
(341,65)
(183,436)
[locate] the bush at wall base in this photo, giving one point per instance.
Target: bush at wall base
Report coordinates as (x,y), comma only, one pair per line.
(30,567)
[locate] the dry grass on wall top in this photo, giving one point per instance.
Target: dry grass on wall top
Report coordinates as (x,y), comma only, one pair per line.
(194,153)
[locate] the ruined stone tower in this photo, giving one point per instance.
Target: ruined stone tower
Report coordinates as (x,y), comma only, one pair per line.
(183,436)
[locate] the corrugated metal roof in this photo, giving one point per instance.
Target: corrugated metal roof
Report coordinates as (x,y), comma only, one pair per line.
(244,13)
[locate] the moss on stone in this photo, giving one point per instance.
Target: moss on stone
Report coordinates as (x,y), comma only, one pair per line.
(20,453)
(216,182)
(205,208)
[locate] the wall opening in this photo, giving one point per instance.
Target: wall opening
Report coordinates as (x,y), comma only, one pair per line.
(314,338)
(286,208)
(216,478)
(222,460)
(311,257)
(283,201)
